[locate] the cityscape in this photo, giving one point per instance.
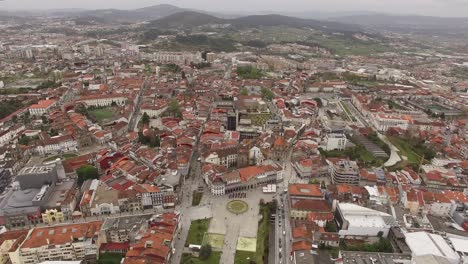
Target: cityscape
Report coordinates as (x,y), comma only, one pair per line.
(175,135)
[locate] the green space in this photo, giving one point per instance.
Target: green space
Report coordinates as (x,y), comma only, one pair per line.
(245,257)
(405,149)
(249,72)
(197,231)
(214,258)
(215,240)
(348,45)
(102,114)
(110,258)
(358,153)
(346,109)
(10,106)
(63,156)
(196,198)
(262,238)
(237,207)
(460,72)
(86,172)
(383,245)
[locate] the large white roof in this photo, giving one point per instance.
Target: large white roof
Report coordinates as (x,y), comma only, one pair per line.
(423,243)
(365,217)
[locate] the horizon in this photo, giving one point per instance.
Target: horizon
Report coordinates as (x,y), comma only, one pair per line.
(16,6)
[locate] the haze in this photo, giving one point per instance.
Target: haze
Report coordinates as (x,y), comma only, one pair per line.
(450,8)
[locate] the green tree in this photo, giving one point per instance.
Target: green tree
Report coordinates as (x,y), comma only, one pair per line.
(86,172)
(267,94)
(174,109)
(145,119)
(319,101)
(205,252)
(244,91)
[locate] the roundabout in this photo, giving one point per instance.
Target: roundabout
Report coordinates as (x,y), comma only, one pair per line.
(237,207)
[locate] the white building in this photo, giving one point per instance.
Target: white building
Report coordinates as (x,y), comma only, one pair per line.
(358,222)
(104,100)
(335,141)
(6,136)
(383,122)
(42,107)
(57,144)
(427,244)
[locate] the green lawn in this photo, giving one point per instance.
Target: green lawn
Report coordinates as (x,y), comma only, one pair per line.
(110,258)
(102,114)
(196,198)
(197,231)
(64,156)
(213,259)
(405,149)
(244,257)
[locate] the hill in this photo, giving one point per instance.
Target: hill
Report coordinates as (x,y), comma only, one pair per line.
(195,19)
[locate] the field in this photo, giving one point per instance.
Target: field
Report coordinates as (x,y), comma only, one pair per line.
(244,257)
(215,240)
(102,114)
(197,231)
(247,244)
(213,259)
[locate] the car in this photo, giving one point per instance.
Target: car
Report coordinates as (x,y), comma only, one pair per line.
(284,232)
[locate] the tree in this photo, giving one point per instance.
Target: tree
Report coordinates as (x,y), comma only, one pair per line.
(267,94)
(86,172)
(174,108)
(330,226)
(244,91)
(205,252)
(319,102)
(145,119)
(380,234)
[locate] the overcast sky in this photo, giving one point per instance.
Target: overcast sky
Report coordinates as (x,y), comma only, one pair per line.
(421,7)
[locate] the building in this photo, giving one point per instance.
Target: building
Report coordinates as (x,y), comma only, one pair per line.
(383,122)
(312,167)
(59,144)
(424,244)
(61,242)
(242,179)
(123,229)
(8,240)
(375,257)
(344,172)
(358,222)
(335,141)
(103,100)
(32,190)
(42,107)
(151,196)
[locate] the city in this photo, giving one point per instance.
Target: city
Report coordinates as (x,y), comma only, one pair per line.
(174,135)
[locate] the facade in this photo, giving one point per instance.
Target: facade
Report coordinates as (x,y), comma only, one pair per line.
(104,100)
(54,145)
(311,167)
(345,172)
(151,196)
(383,122)
(52,216)
(242,179)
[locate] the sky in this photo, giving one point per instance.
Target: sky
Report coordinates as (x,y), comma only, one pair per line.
(451,8)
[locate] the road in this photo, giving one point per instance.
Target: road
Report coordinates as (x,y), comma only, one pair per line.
(136,109)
